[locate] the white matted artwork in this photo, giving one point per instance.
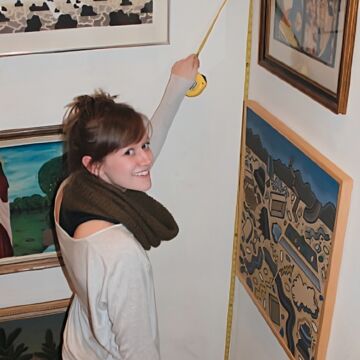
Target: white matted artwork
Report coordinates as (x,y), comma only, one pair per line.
(309,44)
(42,26)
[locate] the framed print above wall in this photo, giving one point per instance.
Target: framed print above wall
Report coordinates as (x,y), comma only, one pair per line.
(43,26)
(293,205)
(309,44)
(32,165)
(33,331)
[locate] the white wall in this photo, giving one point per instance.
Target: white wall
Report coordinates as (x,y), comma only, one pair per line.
(337,137)
(196,176)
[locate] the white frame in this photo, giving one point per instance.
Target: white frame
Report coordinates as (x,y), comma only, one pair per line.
(86,38)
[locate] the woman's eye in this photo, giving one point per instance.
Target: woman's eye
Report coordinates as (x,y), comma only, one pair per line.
(129,152)
(146,145)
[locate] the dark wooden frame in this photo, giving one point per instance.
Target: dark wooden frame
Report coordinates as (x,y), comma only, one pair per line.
(336,102)
(36,261)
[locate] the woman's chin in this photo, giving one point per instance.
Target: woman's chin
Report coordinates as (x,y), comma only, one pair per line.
(142,185)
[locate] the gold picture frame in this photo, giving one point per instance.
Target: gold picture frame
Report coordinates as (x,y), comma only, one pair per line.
(33,330)
(32,165)
(294,205)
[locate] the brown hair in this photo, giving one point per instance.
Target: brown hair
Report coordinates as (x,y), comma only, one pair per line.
(96,125)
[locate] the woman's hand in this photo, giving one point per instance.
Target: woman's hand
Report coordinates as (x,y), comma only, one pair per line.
(187,67)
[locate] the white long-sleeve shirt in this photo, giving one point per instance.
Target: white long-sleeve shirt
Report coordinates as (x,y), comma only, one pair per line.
(113,312)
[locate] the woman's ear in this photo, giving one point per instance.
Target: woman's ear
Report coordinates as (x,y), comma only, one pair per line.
(89,165)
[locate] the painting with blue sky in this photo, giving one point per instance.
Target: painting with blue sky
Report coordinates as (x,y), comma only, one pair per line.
(289,222)
(30,169)
(322,184)
(22,163)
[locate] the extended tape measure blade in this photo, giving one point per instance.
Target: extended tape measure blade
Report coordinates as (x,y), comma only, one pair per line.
(200,80)
(239,195)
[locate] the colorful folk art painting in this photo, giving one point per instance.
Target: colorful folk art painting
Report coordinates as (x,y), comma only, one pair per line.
(309,26)
(309,44)
(17,16)
(29,176)
(291,226)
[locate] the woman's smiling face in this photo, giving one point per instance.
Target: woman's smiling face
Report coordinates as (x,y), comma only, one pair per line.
(128,167)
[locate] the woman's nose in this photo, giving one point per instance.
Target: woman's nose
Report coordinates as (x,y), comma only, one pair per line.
(146,157)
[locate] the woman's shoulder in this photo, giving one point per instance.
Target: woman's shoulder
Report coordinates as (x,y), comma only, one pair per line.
(115,241)
(90,227)
(115,247)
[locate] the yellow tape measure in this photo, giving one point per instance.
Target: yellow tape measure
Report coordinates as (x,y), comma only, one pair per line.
(200,82)
(239,196)
(198,86)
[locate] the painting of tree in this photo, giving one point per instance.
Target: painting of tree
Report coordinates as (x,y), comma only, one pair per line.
(32,165)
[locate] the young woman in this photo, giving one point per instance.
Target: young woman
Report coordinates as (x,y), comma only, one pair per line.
(105,222)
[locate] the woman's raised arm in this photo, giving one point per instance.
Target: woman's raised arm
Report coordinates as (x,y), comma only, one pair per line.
(182,77)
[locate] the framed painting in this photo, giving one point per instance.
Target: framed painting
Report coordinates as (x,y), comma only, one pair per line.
(33,331)
(43,26)
(293,205)
(31,167)
(309,44)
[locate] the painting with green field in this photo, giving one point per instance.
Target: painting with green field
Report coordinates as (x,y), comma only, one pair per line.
(30,172)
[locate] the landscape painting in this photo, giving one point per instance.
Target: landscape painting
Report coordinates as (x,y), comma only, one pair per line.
(294,205)
(31,168)
(33,331)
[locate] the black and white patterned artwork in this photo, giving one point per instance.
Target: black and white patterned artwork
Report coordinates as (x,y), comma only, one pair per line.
(20,16)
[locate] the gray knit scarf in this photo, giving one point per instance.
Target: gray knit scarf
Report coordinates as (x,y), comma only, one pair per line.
(148,220)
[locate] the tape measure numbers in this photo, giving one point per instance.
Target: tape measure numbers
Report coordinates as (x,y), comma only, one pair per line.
(239,195)
(200,80)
